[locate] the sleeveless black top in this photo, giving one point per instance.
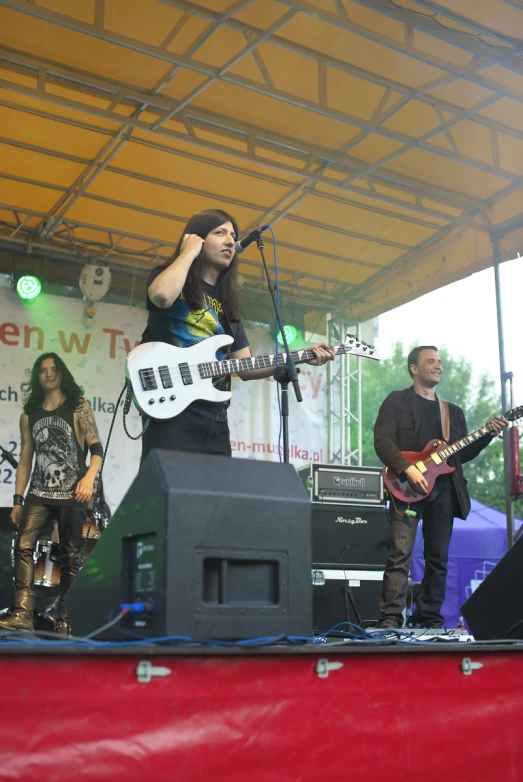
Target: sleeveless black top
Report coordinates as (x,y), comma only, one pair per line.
(59,460)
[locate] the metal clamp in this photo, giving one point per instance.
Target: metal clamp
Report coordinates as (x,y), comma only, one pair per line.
(323,666)
(145,671)
(467,666)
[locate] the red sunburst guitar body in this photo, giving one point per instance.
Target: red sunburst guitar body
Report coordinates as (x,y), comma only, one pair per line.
(432,460)
(402,490)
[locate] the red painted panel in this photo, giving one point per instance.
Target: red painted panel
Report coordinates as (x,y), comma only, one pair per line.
(379,717)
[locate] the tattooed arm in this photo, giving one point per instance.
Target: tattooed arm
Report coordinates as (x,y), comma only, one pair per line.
(85,414)
(23,471)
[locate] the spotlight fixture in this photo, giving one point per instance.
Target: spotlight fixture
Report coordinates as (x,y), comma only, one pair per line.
(291,333)
(28,287)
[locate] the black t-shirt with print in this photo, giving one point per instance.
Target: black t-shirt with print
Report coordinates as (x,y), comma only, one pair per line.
(59,460)
(182,327)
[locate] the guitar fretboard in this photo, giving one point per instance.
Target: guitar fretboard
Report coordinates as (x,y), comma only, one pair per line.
(512,415)
(229,366)
(467,440)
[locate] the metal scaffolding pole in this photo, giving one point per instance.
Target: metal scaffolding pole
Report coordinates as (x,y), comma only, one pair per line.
(344,413)
(505,400)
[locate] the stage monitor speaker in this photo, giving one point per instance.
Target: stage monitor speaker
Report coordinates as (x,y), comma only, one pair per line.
(496,605)
(216,547)
(349,535)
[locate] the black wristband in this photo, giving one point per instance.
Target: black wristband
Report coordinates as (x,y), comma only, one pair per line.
(18,499)
(97,449)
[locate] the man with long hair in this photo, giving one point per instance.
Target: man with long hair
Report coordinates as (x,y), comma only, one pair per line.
(54,426)
(189,298)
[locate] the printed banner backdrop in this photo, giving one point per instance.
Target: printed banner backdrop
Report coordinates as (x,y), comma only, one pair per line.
(95,351)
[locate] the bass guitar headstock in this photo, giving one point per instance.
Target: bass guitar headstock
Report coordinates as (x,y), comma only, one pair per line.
(359,348)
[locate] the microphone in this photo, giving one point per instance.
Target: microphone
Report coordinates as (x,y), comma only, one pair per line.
(242,244)
(8,457)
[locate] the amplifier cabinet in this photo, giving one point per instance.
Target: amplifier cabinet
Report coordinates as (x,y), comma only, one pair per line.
(330,601)
(349,535)
(337,484)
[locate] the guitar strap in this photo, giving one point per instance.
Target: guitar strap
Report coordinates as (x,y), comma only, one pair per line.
(445,420)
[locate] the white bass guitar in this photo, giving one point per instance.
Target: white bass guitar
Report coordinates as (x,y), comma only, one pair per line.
(165,379)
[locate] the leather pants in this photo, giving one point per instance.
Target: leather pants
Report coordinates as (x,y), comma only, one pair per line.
(70,527)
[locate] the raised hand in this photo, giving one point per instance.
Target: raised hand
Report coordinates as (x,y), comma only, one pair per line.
(191,245)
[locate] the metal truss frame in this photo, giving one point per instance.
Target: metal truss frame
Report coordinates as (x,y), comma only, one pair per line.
(312,165)
(345,399)
(254,137)
(320,106)
(66,246)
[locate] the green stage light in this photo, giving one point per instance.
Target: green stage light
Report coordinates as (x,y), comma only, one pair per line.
(290,332)
(28,287)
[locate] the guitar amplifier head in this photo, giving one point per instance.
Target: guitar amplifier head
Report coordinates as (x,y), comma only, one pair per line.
(343,484)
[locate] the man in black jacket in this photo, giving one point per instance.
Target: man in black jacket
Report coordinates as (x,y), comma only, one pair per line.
(407,421)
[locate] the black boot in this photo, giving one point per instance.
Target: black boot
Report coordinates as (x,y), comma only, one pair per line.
(61,623)
(21,617)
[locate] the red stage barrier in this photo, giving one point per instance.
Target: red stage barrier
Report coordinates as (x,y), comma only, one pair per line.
(393,716)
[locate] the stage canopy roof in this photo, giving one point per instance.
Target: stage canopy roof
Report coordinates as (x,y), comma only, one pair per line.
(383,139)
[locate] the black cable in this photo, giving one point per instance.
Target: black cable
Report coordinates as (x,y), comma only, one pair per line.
(126,407)
(514,627)
(348,593)
(81,558)
(141,434)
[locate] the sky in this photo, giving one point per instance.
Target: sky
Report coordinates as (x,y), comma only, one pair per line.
(467,323)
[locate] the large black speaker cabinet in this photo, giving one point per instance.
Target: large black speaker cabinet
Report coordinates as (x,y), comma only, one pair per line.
(349,535)
(216,548)
(497,603)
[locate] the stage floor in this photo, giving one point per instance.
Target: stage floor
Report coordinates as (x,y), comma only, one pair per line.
(414,712)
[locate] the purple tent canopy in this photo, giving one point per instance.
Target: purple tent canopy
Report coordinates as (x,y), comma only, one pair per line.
(476,547)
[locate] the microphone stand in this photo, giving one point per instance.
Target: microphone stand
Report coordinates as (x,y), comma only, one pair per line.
(285,373)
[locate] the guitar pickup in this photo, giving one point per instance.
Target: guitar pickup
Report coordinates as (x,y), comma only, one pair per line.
(436,458)
(165,377)
(421,467)
(148,379)
(186,374)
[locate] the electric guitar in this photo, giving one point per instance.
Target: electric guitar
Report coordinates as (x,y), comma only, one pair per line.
(166,379)
(432,461)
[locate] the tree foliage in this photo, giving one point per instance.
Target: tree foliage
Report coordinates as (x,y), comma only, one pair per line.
(480,402)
